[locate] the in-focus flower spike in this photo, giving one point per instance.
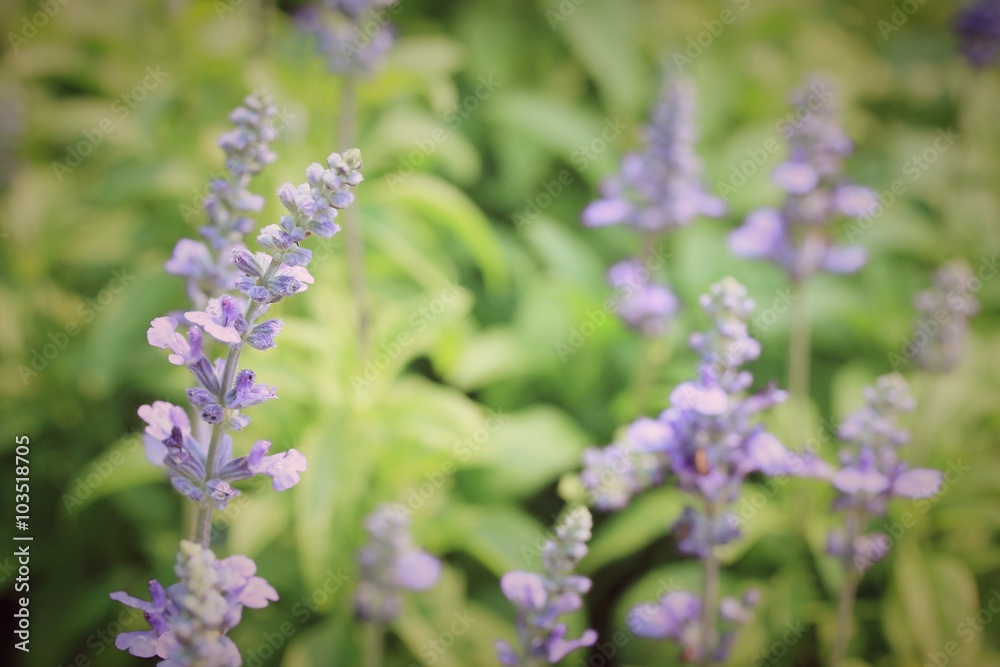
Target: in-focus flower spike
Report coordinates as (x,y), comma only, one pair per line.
(978,30)
(659,188)
(206,266)
(348,34)
(938,342)
(800,236)
(540,599)
(390,563)
(189,620)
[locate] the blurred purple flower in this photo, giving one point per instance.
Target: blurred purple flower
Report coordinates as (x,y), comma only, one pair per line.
(659,188)
(540,599)
(978,30)
(800,236)
(390,563)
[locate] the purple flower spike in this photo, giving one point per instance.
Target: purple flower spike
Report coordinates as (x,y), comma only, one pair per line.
(799,237)
(190,619)
(939,339)
(872,473)
(390,564)
(659,188)
(223,319)
(540,599)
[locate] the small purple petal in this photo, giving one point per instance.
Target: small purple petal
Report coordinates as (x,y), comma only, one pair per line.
(525,590)
(917,483)
(417,570)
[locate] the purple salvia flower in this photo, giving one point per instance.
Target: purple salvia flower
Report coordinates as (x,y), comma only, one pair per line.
(800,236)
(978,30)
(938,342)
(644,305)
(708,442)
(189,620)
(613,475)
(390,563)
(660,188)
(871,472)
(223,318)
(245,393)
(262,335)
(344,35)
(540,599)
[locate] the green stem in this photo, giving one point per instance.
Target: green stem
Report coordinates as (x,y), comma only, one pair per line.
(799,357)
(709,597)
(352,222)
(848,592)
(374,644)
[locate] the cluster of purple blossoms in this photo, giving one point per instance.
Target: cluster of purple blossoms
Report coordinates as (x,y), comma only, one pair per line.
(656,190)
(541,599)
(943,320)
(646,305)
(390,563)
(800,236)
(231,291)
(871,471)
(678,617)
(207,267)
(978,30)
(353,35)
(660,188)
(613,475)
(708,442)
(203,470)
(189,620)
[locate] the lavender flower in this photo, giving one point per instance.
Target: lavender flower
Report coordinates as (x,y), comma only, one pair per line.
(189,620)
(614,474)
(708,442)
(678,617)
(871,471)
(978,30)
(656,190)
(660,188)
(353,35)
(541,599)
(207,266)
(203,471)
(390,563)
(644,305)
(800,236)
(943,321)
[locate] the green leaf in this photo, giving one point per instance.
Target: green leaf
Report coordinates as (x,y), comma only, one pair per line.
(501,538)
(444,205)
(646,519)
(526,451)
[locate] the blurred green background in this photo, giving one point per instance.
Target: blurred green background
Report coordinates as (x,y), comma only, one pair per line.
(487,103)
